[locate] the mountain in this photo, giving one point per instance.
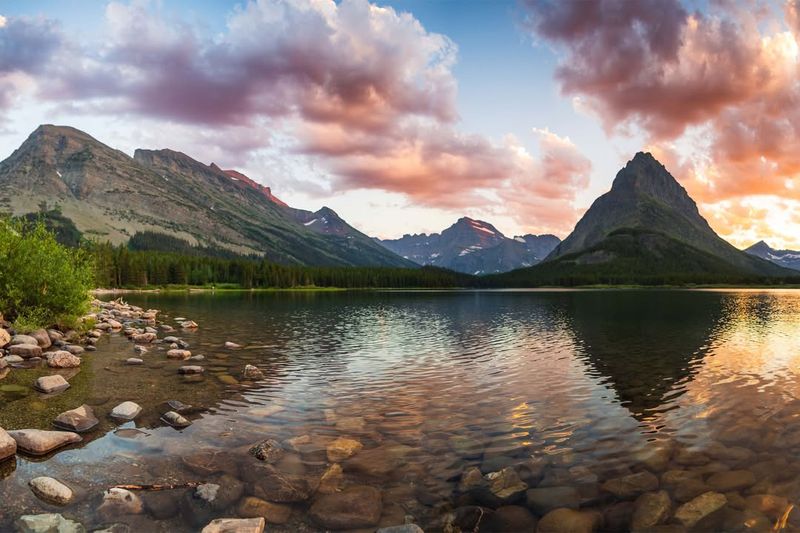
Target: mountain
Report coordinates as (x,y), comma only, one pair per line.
(645,229)
(474,247)
(784,258)
(110,196)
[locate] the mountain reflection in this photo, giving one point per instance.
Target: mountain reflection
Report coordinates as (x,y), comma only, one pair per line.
(645,348)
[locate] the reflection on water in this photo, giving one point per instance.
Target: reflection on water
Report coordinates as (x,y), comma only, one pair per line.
(568,388)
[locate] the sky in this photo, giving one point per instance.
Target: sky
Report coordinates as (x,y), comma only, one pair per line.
(404,115)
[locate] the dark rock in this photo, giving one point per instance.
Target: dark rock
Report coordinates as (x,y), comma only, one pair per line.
(354,507)
(509,518)
(544,500)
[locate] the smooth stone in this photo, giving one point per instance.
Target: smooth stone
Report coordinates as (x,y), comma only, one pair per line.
(355,507)
(117,501)
(651,509)
(26,351)
(569,521)
(178,406)
(134,361)
(380,461)
(179,354)
(191,369)
(62,359)
(509,518)
(8,446)
(269,451)
(689,489)
(767,504)
(175,420)
(232,345)
(690,513)
(342,448)
(197,358)
(80,419)
(227,379)
(274,513)
(189,324)
(252,373)
(13,359)
(731,480)
(126,411)
(42,338)
(23,339)
(170,339)
(40,442)
(47,523)
(544,500)
(631,486)
(74,349)
(272,485)
(235,525)
(51,490)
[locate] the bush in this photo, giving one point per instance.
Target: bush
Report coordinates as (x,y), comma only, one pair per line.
(42,283)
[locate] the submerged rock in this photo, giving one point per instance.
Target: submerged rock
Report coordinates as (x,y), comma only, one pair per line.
(175,420)
(269,451)
(51,384)
(126,411)
(40,442)
(191,369)
(544,500)
(331,480)
(47,523)
(505,486)
(506,518)
(272,485)
(235,525)
(51,490)
(651,509)
(252,373)
(731,480)
(569,521)
(690,513)
(118,501)
(80,419)
(632,485)
(274,513)
(342,448)
(354,507)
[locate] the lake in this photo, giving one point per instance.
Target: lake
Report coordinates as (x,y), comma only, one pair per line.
(578,399)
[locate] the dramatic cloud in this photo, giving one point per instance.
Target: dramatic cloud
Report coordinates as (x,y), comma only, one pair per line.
(730,73)
(364,91)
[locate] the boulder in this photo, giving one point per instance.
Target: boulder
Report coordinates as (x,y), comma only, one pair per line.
(40,442)
(342,448)
(47,523)
(62,359)
(79,420)
(274,513)
(26,351)
(569,521)
(175,420)
(650,510)
(632,485)
(544,500)
(42,338)
(355,507)
(51,384)
(51,490)
(8,446)
(126,411)
(235,525)
(701,507)
(23,339)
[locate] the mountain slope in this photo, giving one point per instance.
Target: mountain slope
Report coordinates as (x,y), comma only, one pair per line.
(111,196)
(784,258)
(645,229)
(474,247)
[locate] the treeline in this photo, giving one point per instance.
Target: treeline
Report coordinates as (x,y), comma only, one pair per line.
(119,266)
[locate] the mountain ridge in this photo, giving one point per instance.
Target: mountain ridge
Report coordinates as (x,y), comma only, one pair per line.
(784,258)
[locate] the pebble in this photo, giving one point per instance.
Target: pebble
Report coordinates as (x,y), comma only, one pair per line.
(51,490)
(47,523)
(51,384)
(235,525)
(40,442)
(79,420)
(252,372)
(134,361)
(191,369)
(232,345)
(177,353)
(139,349)
(175,420)
(126,411)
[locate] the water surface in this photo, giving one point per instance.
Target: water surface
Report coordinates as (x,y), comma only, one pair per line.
(583,382)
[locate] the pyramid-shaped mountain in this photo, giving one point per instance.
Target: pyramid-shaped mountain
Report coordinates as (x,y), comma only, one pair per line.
(110,196)
(645,229)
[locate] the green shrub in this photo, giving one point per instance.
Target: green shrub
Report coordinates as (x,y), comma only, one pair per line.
(42,283)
